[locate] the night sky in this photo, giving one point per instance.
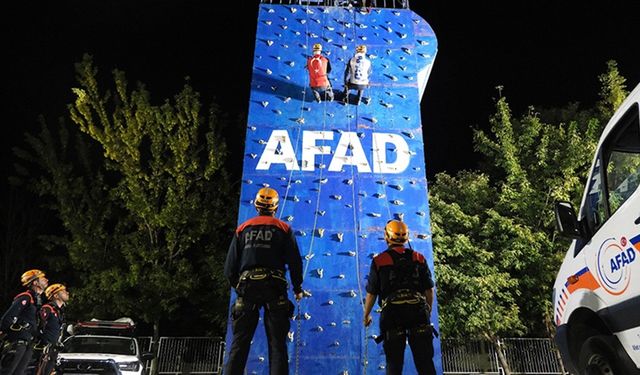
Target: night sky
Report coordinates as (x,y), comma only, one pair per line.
(544,53)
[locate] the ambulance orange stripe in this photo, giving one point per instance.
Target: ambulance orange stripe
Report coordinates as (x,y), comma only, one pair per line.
(585,281)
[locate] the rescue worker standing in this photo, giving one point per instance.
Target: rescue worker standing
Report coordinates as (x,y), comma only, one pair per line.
(319,67)
(357,73)
(52,324)
(255,267)
(21,324)
(402,280)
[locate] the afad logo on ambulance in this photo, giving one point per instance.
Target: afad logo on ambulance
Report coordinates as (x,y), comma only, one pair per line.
(613,265)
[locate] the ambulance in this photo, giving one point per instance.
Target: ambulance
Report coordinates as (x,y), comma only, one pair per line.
(596,296)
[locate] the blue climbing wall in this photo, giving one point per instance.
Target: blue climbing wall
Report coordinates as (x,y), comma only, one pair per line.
(342,170)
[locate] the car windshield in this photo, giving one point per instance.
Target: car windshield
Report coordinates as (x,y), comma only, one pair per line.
(106,345)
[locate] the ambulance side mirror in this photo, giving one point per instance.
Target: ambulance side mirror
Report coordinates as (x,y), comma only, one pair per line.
(567,221)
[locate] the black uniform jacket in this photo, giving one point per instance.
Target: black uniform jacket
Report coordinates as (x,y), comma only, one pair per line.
(51,321)
(20,321)
(264,241)
(381,266)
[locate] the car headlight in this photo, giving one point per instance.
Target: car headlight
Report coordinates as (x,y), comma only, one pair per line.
(129,366)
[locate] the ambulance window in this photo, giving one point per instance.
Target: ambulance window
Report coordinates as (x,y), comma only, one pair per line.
(596,209)
(622,152)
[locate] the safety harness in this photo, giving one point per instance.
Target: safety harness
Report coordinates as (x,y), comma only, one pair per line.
(260,280)
(261,273)
(404,281)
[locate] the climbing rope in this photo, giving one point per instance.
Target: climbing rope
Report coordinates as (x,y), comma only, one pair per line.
(356,223)
(310,253)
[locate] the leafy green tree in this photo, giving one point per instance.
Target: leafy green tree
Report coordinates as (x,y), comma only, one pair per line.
(496,250)
(143,198)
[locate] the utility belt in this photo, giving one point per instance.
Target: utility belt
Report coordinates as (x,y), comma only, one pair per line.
(402,333)
(10,345)
(262,274)
(19,326)
(262,282)
(404,297)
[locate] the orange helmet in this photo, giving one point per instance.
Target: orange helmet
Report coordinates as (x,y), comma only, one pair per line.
(361,49)
(30,276)
(51,290)
(396,232)
(266,200)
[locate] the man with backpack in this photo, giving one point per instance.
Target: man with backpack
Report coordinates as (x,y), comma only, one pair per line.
(402,280)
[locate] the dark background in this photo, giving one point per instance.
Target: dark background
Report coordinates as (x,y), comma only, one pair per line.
(545,53)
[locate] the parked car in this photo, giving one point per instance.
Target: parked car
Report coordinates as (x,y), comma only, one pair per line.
(98,346)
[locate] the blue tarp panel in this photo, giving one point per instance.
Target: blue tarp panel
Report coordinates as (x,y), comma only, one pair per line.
(342,170)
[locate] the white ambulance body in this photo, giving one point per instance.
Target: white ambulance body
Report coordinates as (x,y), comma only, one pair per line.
(596,296)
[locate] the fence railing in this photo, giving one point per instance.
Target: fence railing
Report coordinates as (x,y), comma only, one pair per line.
(398,4)
(525,356)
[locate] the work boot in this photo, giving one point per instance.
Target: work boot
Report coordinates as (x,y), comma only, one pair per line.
(330,94)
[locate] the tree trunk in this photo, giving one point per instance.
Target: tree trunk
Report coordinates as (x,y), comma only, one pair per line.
(155,341)
(502,358)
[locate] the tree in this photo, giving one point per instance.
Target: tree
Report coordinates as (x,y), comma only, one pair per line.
(496,250)
(142,195)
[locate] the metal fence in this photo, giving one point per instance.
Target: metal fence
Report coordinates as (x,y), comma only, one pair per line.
(525,356)
(468,357)
(186,355)
(532,356)
(398,4)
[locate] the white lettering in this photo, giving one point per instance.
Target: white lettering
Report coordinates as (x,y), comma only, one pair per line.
(349,151)
(310,149)
(349,142)
(270,155)
(380,165)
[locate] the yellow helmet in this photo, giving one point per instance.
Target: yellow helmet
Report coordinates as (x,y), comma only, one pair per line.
(361,48)
(266,200)
(51,290)
(30,276)
(317,47)
(396,232)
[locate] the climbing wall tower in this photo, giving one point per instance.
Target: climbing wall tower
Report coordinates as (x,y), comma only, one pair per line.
(342,170)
